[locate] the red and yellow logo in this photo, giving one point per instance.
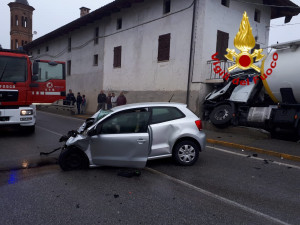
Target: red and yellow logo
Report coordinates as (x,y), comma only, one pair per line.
(244,41)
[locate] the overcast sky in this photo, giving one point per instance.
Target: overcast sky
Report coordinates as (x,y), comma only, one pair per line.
(50,15)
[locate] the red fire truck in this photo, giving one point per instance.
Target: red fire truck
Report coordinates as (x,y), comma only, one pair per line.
(24,84)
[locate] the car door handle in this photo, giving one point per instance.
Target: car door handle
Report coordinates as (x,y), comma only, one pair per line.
(141,141)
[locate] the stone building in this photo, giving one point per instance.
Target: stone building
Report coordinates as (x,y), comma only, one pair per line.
(153,49)
(21,23)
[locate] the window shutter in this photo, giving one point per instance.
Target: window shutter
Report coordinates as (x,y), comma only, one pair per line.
(117,56)
(164,47)
(222,44)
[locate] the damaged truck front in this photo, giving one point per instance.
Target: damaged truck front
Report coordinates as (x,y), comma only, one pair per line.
(269,100)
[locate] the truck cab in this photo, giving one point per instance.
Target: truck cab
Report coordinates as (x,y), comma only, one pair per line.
(24,84)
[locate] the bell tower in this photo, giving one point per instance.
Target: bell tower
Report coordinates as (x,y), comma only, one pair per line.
(20,23)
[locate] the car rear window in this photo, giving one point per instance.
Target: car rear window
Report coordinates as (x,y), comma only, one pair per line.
(163,114)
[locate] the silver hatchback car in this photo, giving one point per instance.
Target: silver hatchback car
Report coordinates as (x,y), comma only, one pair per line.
(129,135)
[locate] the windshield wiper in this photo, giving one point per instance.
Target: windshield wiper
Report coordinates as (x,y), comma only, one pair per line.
(3,71)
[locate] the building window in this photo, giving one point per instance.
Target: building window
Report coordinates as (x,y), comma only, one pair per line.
(22,43)
(257,15)
(225,2)
(95,60)
(222,44)
(12,44)
(17,44)
(17,21)
(25,42)
(69,67)
(69,44)
(119,23)
(164,42)
(47,48)
(167,6)
(25,22)
(38,51)
(96,35)
(117,56)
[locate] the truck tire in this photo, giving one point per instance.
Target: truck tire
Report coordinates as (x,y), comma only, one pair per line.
(73,159)
(221,116)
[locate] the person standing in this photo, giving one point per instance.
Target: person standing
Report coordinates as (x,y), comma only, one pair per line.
(108,102)
(101,100)
(70,98)
(114,100)
(121,100)
(83,104)
(78,102)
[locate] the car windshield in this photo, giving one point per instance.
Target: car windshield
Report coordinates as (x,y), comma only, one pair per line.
(12,69)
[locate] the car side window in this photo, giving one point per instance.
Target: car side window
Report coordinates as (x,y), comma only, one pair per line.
(134,121)
(163,114)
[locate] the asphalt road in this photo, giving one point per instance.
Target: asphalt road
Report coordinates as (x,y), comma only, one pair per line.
(226,186)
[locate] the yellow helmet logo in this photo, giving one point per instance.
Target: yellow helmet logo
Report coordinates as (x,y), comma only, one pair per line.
(244,41)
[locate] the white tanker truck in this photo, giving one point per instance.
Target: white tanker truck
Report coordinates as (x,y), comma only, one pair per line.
(268,100)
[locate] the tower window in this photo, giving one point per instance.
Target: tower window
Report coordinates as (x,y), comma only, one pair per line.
(167,6)
(47,48)
(17,44)
(16,21)
(25,22)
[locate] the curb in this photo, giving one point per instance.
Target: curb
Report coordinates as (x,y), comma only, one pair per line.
(254,149)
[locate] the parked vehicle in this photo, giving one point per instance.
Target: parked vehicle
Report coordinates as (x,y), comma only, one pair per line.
(129,135)
(270,100)
(22,86)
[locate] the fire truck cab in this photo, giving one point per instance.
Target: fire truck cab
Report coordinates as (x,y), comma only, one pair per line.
(24,84)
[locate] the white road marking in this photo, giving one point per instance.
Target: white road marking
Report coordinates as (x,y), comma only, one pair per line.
(256,158)
(53,132)
(215,196)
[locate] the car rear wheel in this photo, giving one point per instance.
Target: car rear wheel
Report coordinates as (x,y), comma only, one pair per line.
(186,153)
(73,159)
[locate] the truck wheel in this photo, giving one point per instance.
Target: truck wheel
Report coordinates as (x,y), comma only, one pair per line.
(186,153)
(73,159)
(221,116)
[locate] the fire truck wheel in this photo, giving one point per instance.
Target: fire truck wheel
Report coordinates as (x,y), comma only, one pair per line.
(221,116)
(73,159)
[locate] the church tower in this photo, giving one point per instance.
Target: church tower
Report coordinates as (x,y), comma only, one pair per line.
(20,23)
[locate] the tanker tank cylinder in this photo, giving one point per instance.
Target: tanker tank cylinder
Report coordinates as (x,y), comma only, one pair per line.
(281,73)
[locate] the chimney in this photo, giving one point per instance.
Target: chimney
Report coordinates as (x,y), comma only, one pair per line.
(84,11)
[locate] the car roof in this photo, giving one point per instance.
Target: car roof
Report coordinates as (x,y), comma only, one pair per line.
(147,104)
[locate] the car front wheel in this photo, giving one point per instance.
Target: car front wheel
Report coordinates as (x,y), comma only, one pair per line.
(186,153)
(73,159)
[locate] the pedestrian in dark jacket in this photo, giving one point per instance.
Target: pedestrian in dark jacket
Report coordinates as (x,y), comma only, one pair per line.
(108,102)
(101,100)
(121,100)
(78,102)
(70,98)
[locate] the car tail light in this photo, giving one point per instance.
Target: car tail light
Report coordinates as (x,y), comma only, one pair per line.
(199,124)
